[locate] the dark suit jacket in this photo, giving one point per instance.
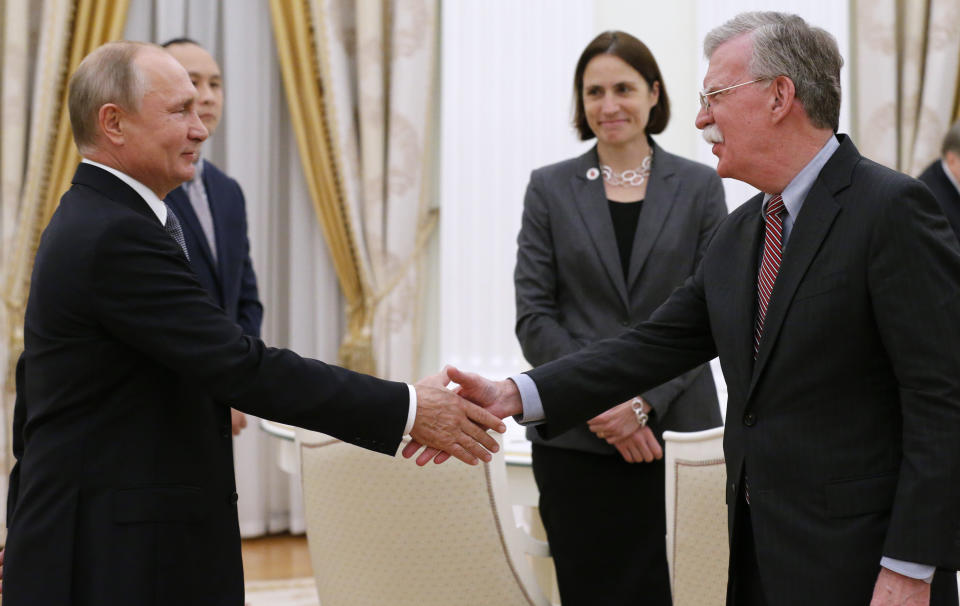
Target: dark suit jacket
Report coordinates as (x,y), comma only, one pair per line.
(847,424)
(230,279)
(570,286)
(944,191)
(124,488)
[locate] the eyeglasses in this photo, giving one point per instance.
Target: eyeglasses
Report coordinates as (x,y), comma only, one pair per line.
(705,97)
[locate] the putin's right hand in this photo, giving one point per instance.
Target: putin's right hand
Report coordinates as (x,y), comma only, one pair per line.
(502,398)
(447,422)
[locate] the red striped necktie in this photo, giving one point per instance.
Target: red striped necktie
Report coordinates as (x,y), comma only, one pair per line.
(770,266)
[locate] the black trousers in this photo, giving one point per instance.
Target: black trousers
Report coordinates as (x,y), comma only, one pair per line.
(745,587)
(606,524)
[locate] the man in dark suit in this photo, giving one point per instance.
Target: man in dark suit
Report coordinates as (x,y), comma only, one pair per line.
(123,492)
(212,211)
(943,177)
(833,302)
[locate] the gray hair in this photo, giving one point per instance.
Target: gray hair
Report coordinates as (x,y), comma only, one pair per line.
(107,75)
(786,45)
(951,141)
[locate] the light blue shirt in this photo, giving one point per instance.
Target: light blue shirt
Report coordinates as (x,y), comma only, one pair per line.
(793,196)
(796,191)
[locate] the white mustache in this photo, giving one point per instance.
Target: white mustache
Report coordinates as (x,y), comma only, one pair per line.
(712,134)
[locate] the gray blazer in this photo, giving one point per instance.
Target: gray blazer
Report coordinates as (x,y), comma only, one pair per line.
(569,280)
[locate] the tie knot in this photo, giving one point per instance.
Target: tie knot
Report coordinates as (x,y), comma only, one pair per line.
(774,205)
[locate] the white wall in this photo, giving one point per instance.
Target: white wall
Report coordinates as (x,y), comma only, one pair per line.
(669,29)
(507,82)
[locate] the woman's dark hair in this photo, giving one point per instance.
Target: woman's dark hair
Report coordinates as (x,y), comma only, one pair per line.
(635,54)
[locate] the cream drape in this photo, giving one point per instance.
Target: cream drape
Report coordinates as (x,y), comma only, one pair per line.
(70,29)
(362,76)
(906,70)
(305,97)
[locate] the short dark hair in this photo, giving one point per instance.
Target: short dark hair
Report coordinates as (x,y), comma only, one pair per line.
(181,40)
(635,54)
(951,141)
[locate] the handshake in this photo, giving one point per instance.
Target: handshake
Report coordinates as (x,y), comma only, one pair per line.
(455,422)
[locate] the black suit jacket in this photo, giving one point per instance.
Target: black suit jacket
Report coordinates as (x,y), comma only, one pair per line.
(570,284)
(230,279)
(847,423)
(124,488)
(944,191)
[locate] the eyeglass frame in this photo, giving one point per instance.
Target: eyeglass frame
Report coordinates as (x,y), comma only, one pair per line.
(705,102)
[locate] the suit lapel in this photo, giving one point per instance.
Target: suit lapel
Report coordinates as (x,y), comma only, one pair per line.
(661,192)
(744,261)
(819,211)
(591,201)
(217,216)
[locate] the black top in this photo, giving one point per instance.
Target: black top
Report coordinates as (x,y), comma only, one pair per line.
(625,216)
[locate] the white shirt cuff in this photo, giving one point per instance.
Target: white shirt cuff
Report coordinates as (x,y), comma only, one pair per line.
(411,411)
(530,397)
(909,569)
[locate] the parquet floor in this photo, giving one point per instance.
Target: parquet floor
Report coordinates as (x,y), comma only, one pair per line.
(276,557)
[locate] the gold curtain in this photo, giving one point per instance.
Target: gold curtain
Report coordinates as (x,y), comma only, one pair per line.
(94,22)
(305,96)
(72,28)
(370,85)
(956,99)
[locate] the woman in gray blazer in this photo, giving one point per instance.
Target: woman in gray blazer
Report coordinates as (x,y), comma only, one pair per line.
(605,238)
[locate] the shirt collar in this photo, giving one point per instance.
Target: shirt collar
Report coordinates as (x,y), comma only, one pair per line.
(796,191)
(155,203)
(946,171)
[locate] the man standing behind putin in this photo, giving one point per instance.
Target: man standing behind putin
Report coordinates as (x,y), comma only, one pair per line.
(123,492)
(212,211)
(833,302)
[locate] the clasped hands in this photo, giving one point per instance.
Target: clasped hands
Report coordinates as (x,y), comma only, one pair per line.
(455,422)
(619,427)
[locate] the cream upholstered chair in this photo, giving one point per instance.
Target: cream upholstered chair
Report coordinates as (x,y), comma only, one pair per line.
(383,531)
(697,543)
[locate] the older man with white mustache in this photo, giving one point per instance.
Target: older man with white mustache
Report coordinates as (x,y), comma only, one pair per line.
(832,299)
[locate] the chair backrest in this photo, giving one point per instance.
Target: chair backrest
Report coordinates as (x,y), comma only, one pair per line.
(383,531)
(697,540)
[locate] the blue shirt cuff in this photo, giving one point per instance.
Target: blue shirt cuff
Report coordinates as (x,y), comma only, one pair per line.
(909,569)
(530,397)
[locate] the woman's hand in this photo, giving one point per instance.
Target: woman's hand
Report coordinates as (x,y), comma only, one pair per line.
(617,423)
(619,427)
(640,447)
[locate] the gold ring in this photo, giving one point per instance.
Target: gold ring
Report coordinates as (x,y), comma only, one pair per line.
(599,434)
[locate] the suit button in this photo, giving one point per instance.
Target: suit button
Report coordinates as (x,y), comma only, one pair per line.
(233,498)
(749,419)
(624,323)
(225,432)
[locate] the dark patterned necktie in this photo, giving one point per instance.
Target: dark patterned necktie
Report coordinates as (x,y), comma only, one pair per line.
(176,232)
(770,266)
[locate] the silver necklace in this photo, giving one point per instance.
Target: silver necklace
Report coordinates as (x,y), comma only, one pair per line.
(632,177)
